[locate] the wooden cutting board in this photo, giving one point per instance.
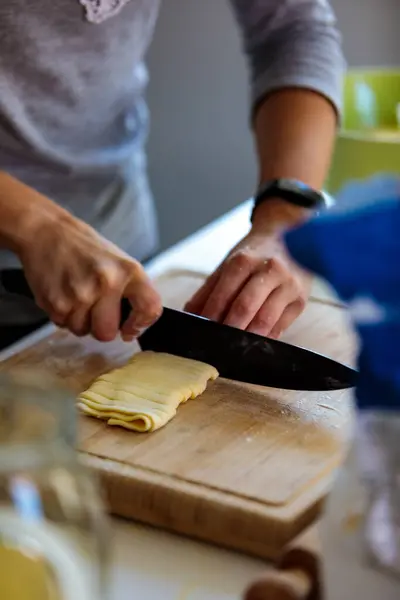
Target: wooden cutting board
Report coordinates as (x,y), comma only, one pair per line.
(244,467)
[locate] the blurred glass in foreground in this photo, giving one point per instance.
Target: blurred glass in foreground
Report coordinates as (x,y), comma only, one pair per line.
(52,527)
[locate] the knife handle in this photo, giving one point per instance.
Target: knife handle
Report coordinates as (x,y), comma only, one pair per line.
(14,281)
(126,309)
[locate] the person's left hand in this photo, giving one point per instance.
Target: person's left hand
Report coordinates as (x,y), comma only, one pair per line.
(257,287)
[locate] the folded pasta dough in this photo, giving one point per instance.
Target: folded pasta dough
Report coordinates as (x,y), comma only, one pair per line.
(144,394)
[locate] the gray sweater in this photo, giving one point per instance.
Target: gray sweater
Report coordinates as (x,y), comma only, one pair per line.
(73,121)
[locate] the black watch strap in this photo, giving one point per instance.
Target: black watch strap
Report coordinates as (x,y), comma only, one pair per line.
(292,191)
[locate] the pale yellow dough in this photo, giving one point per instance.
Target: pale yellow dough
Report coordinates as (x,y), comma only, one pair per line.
(144,394)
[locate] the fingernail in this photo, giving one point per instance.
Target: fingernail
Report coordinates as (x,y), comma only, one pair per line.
(128,339)
(275,335)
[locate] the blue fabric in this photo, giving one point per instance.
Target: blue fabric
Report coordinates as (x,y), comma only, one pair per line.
(356,248)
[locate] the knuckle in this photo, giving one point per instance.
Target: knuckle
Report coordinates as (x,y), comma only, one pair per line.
(60,307)
(131,269)
(242,261)
(216,302)
(275,264)
(109,275)
(263,324)
(240,308)
(84,295)
(301,303)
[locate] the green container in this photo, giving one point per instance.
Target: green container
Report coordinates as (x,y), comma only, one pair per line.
(369,139)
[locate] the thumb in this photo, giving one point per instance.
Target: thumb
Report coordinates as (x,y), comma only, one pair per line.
(146,305)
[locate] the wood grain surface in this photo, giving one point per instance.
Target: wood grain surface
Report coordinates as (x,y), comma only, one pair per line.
(242,466)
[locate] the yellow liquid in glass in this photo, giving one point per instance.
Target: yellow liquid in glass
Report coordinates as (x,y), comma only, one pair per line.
(25,576)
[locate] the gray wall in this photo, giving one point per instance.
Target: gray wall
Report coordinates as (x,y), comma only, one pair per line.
(201,157)
(370,31)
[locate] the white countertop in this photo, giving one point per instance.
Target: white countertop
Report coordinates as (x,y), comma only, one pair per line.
(150,564)
(206,248)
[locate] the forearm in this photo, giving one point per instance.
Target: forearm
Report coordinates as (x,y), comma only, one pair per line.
(22,209)
(294,132)
(296,68)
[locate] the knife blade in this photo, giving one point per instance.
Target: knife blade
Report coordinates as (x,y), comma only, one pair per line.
(244,356)
(236,354)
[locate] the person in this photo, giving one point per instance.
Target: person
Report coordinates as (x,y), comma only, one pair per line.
(75,204)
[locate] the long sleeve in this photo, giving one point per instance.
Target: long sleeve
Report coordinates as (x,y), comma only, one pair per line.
(291,43)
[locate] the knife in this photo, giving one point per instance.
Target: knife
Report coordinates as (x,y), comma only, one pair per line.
(245,356)
(236,354)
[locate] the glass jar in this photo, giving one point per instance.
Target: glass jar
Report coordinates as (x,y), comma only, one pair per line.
(360,531)
(52,525)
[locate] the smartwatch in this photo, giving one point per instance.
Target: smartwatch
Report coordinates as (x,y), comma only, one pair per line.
(293,191)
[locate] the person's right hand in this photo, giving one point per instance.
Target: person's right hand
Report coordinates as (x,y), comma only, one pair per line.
(78,278)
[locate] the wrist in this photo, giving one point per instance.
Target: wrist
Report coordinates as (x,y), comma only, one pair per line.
(24,213)
(277,215)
